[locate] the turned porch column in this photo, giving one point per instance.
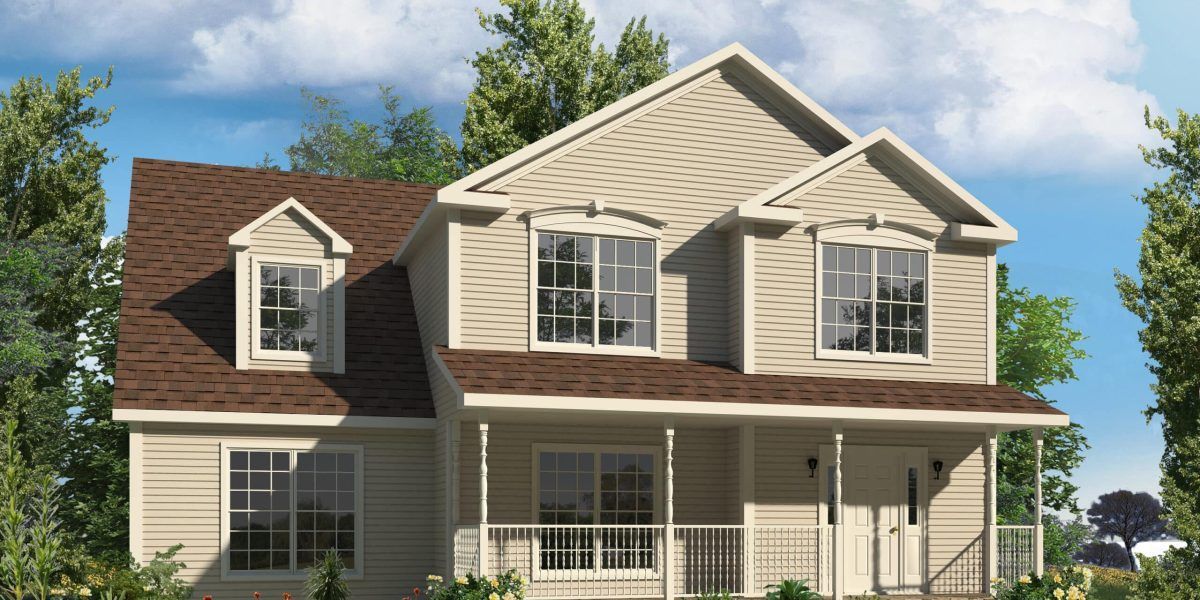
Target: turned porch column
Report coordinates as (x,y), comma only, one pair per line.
(838,563)
(483,498)
(1038,565)
(991,548)
(669,510)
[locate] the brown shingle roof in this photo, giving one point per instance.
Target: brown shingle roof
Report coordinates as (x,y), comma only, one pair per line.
(176,348)
(588,375)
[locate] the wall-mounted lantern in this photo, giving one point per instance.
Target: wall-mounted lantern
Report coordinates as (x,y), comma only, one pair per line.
(812,467)
(937,469)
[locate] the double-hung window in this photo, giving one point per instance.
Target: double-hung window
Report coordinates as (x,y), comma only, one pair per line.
(288,309)
(595,291)
(285,509)
(873,301)
(595,509)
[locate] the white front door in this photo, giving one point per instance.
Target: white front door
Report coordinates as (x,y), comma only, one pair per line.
(871,480)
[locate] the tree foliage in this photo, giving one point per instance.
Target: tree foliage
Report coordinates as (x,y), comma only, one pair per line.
(1062,539)
(1104,554)
(405,146)
(546,73)
(1036,346)
(1128,516)
(1167,300)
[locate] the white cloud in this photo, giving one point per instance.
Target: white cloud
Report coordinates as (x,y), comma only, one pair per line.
(981,86)
(419,45)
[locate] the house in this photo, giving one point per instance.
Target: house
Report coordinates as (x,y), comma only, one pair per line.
(705,338)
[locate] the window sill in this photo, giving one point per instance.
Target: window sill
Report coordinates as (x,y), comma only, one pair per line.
(252,576)
(900,359)
(601,350)
(284,355)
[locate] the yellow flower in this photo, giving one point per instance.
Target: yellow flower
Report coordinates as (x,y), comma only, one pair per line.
(524,581)
(1058,593)
(493,596)
(508,596)
(85,592)
(460,580)
(1025,580)
(495,583)
(434,578)
(1057,578)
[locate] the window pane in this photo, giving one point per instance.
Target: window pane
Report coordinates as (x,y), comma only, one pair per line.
(829,258)
(308,278)
(566,248)
(259,482)
(545,246)
(912,495)
(289,277)
(645,253)
(268,275)
(583,250)
(625,253)
(608,254)
(328,521)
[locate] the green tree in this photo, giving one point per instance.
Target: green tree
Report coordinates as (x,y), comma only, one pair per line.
(404,147)
(1036,347)
(1166,297)
(546,73)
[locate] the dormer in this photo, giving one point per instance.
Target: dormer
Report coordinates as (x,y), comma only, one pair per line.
(289,271)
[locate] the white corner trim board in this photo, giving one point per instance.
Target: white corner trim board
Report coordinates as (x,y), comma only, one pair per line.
(139,415)
(745,409)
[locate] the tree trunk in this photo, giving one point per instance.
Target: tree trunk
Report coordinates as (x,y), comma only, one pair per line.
(1129,553)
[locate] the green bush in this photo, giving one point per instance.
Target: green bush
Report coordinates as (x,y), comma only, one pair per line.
(509,586)
(790,589)
(714,595)
(1072,583)
(155,580)
(1172,576)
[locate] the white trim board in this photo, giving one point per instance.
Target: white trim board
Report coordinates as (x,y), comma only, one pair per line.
(141,415)
(474,400)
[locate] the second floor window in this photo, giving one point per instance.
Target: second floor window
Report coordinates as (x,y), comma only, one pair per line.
(288,308)
(595,291)
(873,300)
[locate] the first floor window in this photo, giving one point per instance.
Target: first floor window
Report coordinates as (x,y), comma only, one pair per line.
(595,290)
(288,308)
(590,504)
(287,508)
(873,300)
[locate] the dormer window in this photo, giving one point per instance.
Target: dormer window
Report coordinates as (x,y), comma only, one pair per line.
(289,273)
(289,308)
(594,279)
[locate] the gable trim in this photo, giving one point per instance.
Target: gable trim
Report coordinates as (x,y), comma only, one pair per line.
(241,239)
(923,174)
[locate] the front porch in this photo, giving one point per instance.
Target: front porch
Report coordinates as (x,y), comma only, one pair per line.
(674,507)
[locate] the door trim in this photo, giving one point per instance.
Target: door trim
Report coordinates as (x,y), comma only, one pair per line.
(915,456)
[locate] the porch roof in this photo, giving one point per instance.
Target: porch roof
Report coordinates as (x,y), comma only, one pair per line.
(562,375)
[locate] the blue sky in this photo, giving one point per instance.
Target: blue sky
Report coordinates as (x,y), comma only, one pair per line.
(1035,106)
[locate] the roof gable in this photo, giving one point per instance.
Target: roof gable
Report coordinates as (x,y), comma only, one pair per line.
(979,224)
(243,238)
(735,57)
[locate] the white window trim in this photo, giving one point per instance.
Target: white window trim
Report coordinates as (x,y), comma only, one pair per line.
(322,265)
(594,230)
(603,574)
(292,446)
(873,234)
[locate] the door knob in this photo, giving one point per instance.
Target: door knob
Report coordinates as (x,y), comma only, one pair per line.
(893,530)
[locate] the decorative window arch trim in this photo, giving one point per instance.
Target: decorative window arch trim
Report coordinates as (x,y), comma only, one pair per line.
(596,219)
(875,230)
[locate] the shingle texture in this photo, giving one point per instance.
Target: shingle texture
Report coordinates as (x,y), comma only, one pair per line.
(586,375)
(176,348)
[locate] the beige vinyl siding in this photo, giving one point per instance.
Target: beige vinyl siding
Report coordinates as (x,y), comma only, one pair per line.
(181,499)
(786,495)
(290,235)
(427,275)
(735,299)
(785,330)
(685,162)
(701,461)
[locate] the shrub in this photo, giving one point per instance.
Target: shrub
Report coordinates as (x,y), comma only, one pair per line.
(1072,583)
(508,586)
(155,580)
(714,595)
(1172,576)
(325,580)
(790,589)
(1111,584)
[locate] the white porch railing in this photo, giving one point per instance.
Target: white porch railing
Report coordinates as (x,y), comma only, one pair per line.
(1015,551)
(628,561)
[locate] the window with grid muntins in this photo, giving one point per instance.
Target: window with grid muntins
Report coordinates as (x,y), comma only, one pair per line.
(595,290)
(569,484)
(287,508)
(873,300)
(288,308)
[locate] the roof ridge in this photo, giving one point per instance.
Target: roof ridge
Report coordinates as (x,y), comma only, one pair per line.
(282,172)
